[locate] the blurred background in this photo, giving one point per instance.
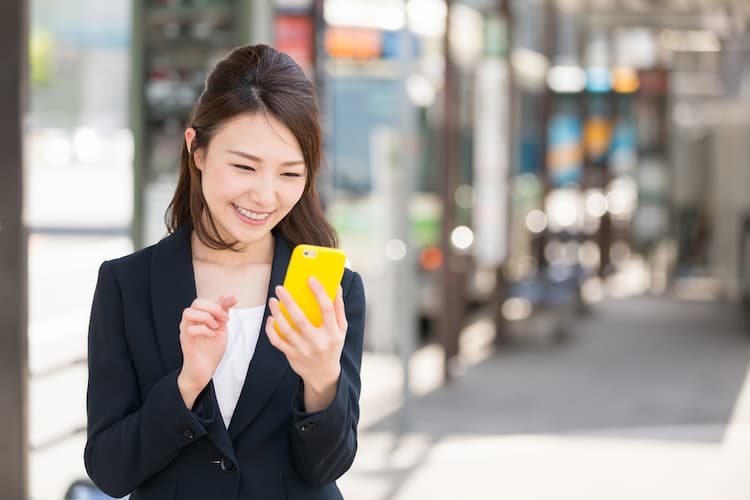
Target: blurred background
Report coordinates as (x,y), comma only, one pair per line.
(547,200)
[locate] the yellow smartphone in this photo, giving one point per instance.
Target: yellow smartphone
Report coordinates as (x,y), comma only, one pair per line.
(326,264)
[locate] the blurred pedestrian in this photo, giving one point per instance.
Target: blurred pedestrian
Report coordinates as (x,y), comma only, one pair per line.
(192,394)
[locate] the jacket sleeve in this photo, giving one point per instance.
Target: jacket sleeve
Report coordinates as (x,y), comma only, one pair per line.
(130,437)
(324,443)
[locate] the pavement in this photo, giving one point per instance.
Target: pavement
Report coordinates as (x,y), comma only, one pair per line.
(648,398)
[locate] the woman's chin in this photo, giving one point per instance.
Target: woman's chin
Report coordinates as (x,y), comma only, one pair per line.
(247,234)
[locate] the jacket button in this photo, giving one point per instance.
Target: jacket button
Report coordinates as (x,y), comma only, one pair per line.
(308,427)
(188,434)
(226,465)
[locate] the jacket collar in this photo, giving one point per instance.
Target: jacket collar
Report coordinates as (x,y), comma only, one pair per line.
(173,289)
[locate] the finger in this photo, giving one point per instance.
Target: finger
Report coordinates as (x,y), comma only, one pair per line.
(199,331)
(288,332)
(295,313)
(278,340)
(338,306)
(282,322)
(193,316)
(282,340)
(326,307)
(227,302)
(211,307)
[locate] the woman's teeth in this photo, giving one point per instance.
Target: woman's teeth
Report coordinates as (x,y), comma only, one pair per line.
(251,215)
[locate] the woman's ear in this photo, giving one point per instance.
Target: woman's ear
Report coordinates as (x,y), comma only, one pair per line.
(189,137)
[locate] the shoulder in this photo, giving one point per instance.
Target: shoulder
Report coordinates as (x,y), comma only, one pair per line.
(130,264)
(351,282)
(169,249)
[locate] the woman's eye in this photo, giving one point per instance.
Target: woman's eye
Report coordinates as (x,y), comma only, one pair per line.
(244,167)
(292,174)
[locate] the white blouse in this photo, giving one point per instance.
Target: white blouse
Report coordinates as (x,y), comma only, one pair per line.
(243,330)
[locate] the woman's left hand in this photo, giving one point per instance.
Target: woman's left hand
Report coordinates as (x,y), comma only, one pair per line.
(314,353)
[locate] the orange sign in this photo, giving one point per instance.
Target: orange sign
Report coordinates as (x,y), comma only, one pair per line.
(353,43)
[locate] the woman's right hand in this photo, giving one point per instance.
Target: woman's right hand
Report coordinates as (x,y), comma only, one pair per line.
(203,339)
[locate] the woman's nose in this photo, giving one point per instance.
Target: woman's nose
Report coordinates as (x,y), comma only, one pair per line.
(264,191)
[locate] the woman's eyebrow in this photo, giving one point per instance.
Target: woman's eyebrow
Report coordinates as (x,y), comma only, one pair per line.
(260,160)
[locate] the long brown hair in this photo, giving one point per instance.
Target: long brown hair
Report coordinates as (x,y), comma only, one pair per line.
(254,79)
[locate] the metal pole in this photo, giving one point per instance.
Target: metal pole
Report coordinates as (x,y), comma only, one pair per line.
(550,30)
(453,284)
(501,286)
(403,179)
(13,254)
(326,102)
(137,109)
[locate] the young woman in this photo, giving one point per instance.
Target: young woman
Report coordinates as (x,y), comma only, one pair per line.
(192,393)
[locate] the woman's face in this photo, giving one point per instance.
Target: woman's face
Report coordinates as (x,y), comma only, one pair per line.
(253,173)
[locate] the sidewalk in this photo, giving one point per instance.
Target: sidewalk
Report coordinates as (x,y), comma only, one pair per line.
(641,402)
(648,399)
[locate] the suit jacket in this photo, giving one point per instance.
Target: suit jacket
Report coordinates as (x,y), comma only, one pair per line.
(143,439)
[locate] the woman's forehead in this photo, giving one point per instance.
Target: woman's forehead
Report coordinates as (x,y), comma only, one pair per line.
(260,135)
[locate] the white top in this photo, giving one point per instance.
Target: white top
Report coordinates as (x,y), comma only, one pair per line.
(243,330)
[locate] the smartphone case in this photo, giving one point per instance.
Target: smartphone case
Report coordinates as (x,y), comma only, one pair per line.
(326,264)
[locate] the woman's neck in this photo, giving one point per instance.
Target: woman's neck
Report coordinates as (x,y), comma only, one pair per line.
(257,252)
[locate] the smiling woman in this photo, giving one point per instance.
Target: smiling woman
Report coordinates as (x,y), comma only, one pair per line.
(264,97)
(247,193)
(192,392)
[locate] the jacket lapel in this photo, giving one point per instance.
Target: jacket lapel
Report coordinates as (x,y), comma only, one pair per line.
(172,290)
(268,365)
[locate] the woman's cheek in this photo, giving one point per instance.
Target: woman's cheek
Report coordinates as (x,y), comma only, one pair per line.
(299,192)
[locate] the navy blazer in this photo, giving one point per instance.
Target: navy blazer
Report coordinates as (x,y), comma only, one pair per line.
(143,440)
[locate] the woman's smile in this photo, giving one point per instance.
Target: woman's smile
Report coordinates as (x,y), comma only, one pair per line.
(249,216)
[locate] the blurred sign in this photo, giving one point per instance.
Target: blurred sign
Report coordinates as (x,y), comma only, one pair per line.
(295,36)
(596,135)
(565,154)
(597,130)
(530,147)
(625,80)
(624,148)
(353,43)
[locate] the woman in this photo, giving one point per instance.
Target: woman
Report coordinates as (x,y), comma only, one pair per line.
(192,393)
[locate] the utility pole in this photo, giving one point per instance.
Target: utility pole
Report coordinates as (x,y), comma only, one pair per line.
(452,275)
(13,254)
(137,111)
(501,286)
(404,264)
(492,159)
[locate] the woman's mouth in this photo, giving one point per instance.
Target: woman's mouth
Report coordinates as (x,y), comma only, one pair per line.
(251,216)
